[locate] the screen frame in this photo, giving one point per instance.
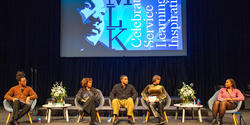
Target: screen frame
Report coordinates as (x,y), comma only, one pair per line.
(140,53)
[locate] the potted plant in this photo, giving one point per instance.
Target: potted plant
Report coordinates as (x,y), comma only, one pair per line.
(58,92)
(186,93)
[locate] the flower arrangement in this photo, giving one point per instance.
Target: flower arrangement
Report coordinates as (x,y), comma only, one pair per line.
(58,92)
(187,92)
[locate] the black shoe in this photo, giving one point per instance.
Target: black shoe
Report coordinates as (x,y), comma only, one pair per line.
(116,121)
(155,120)
(161,121)
(130,120)
(16,123)
(93,123)
(220,122)
(214,122)
(13,122)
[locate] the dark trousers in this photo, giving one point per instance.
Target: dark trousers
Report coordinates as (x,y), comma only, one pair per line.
(89,107)
(220,107)
(157,108)
(19,109)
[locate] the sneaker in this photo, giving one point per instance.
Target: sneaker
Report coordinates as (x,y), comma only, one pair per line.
(155,120)
(220,122)
(130,120)
(116,121)
(13,122)
(93,123)
(161,121)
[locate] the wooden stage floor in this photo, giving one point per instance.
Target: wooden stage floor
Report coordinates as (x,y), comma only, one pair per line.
(58,120)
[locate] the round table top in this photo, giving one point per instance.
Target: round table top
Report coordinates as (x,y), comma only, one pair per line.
(56,106)
(188,105)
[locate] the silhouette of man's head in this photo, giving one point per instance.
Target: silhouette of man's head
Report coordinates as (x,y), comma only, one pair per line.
(92,13)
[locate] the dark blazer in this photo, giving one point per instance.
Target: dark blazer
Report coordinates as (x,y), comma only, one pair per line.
(83,94)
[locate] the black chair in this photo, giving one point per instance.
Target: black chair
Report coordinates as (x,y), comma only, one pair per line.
(167,105)
(233,111)
(9,108)
(97,108)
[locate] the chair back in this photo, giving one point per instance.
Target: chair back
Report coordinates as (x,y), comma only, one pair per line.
(101,101)
(33,104)
(168,99)
(212,100)
(9,108)
(215,97)
(236,109)
(167,105)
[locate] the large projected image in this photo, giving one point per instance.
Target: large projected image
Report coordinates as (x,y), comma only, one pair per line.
(107,28)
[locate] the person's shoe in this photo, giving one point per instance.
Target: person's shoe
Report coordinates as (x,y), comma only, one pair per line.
(16,123)
(130,120)
(93,123)
(220,122)
(213,122)
(155,120)
(116,121)
(13,122)
(161,121)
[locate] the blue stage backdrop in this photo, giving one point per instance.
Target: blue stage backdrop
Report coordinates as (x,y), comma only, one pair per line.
(110,28)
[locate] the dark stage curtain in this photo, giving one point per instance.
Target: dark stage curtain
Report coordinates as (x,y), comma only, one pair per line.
(218,47)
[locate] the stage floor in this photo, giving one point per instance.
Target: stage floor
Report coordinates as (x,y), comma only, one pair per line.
(58,120)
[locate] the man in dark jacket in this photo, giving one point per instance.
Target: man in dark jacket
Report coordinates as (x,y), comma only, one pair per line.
(123,95)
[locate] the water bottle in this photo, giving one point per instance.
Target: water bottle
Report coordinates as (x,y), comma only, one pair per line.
(39,119)
(109,118)
(143,118)
(77,116)
(198,102)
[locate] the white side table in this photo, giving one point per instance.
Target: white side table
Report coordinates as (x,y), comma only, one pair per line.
(184,107)
(51,107)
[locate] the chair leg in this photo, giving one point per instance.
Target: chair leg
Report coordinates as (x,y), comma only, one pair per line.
(147,116)
(113,119)
(98,116)
(80,117)
(133,118)
(8,118)
(166,117)
(234,118)
(29,118)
